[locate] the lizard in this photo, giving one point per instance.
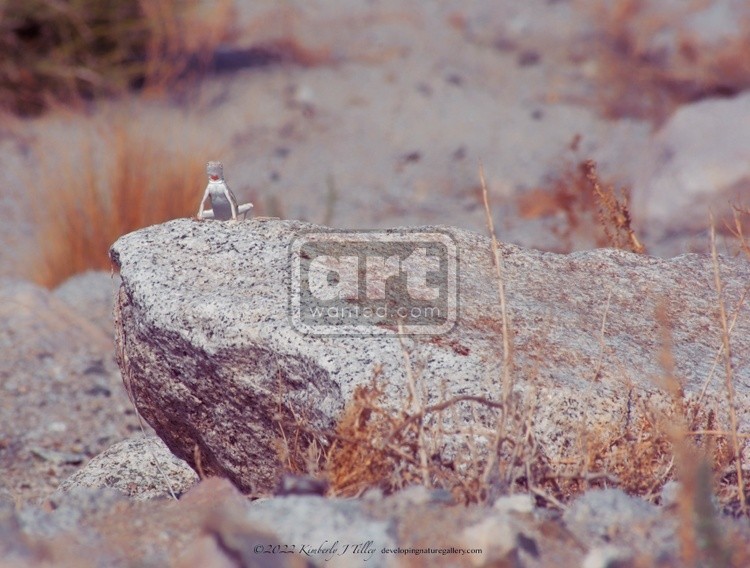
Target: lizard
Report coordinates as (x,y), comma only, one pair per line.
(223,201)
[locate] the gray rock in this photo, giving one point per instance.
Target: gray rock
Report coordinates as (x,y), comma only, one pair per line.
(698,161)
(522,503)
(497,538)
(209,350)
(608,557)
(290,484)
(91,294)
(416,495)
(57,457)
(50,322)
(342,534)
(142,468)
(228,536)
(670,493)
(600,517)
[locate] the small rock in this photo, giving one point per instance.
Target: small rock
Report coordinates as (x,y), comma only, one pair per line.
(602,516)
(301,485)
(607,557)
(336,532)
(670,493)
(521,503)
(496,537)
(141,468)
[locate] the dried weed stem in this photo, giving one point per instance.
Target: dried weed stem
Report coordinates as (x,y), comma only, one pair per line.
(729,371)
(614,213)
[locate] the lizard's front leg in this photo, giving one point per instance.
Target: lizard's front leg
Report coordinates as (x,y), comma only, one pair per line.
(232,202)
(203,204)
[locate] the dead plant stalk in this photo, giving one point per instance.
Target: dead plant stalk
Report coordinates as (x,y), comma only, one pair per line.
(729,372)
(507,386)
(417,409)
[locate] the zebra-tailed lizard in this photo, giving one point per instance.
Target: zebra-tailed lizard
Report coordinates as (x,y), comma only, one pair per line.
(223,202)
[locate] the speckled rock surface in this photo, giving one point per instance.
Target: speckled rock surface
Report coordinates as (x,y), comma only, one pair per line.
(208,347)
(602,516)
(142,468)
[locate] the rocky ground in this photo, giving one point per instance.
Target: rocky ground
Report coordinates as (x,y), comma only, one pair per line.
(379,115)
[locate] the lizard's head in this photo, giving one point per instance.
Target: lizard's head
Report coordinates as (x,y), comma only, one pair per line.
(215,171)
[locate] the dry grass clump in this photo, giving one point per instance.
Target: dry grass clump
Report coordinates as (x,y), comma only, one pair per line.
(364,453)
(593,211)
(637,460)
(122,175)
(613,211)
(376,446)
(80,49)
(637,77)
(738,228)
(642,457)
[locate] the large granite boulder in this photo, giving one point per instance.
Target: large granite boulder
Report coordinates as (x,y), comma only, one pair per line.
(218,359)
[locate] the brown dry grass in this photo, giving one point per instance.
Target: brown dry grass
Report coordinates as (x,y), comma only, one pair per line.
(379,447)
(593,211)
(365,454)
(66,52)
(375,446)
(127,173)
(737,446)
(634,78)
(613,211)
(738,228)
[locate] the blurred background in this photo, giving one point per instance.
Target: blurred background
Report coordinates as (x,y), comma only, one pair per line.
(596,123)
